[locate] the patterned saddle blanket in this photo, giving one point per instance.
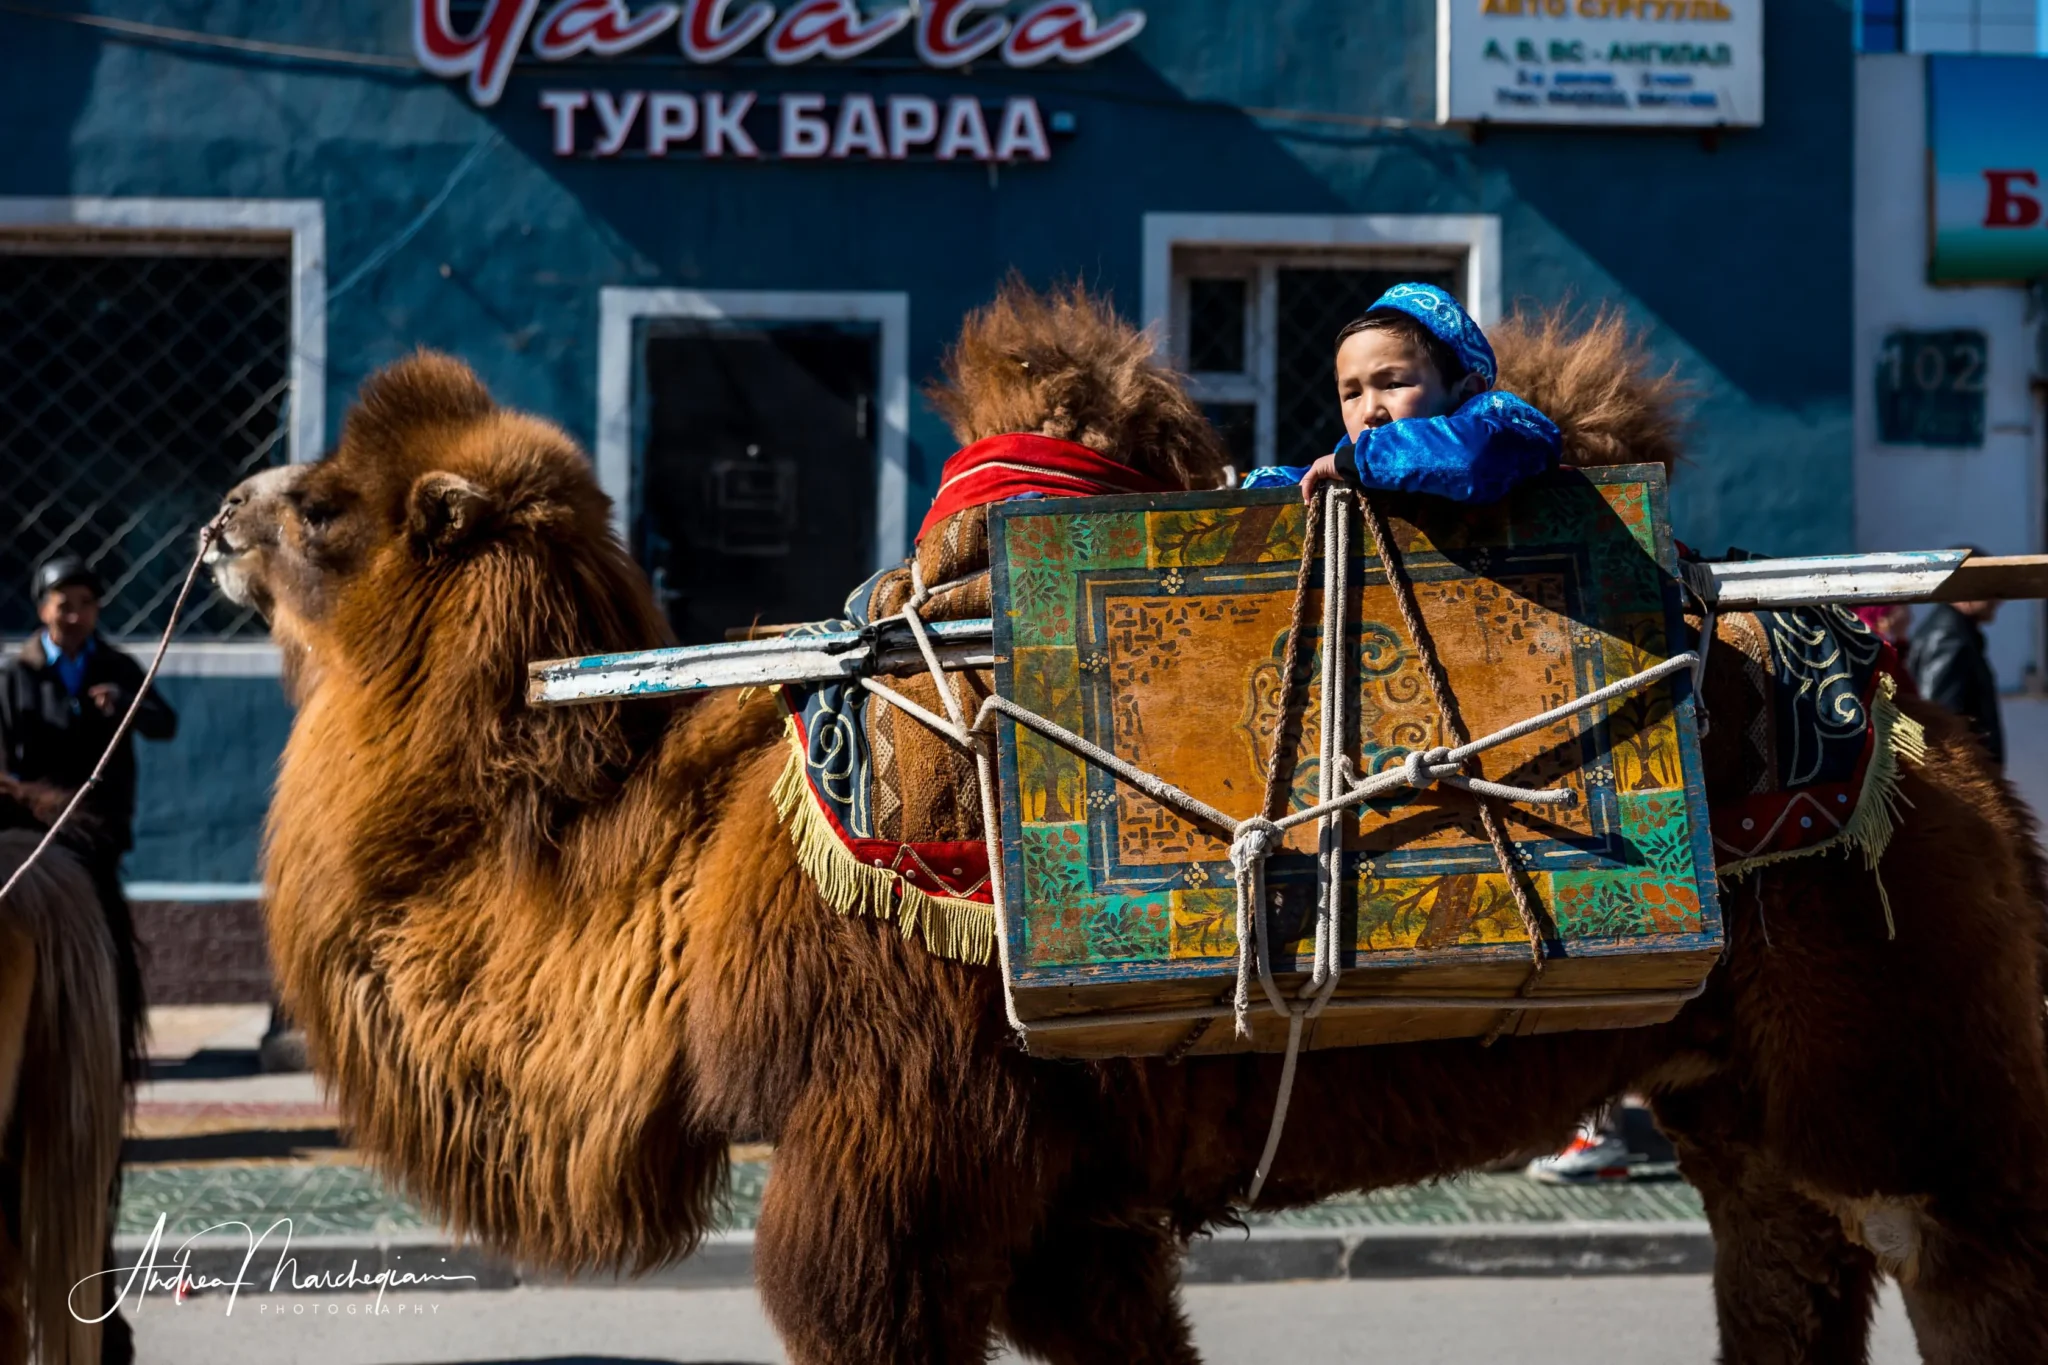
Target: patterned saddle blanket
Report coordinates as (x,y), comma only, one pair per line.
(874,799)
(886,815)
(1821,736)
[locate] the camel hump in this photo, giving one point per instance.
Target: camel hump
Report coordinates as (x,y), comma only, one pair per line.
(426,389)
(1595,377)
(1063,363)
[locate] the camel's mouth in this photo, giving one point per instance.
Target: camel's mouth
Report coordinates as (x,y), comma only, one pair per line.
(232,562)
(223,550)
(248,522)
(224,557)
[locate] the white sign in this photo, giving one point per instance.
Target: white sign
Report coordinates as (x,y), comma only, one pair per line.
(1697,63)
(793,126)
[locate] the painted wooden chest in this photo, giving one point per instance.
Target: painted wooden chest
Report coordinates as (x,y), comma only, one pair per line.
(1154,626)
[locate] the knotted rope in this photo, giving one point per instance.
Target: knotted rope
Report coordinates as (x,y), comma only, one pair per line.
(1253,840)
(1247,856)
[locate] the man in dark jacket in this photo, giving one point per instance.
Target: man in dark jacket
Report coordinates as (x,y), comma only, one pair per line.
(63,696)
(1948,665)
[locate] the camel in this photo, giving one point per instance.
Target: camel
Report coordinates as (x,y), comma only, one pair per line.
(70,1016)
(553,961)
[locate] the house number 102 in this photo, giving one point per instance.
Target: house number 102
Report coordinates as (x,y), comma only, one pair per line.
(1930,389)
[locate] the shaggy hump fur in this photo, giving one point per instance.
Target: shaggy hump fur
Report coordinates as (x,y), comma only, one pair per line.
(1596,380)
(1065,365)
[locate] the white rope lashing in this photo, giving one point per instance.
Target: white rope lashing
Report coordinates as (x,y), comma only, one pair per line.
(1254,840)
(1328,963)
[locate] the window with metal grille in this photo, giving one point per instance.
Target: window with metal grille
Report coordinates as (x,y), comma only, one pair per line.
(1257,331)
(1216,325)
(140,379)
(1313,306)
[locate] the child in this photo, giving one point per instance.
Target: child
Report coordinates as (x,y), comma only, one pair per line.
(1415,378)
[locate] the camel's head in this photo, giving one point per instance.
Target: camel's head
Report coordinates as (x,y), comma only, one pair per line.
(1065,365)
(433,842)
(439,511)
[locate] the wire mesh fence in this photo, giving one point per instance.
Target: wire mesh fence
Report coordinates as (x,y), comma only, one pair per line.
(138,383)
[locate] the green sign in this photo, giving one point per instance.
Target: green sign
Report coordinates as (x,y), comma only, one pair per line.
(1930,389)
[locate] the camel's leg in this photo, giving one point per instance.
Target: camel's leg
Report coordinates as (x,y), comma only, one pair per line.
(1093,1294)
(117,1339)
(1903,1079)
(1975,1279)
(13,1299)
(859,1259)
(17,985)
(1789,1286)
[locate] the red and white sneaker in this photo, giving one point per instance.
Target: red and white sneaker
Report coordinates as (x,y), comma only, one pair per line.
(1591,1157)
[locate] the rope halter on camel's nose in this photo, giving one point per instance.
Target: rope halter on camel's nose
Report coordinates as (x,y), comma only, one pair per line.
(207,535)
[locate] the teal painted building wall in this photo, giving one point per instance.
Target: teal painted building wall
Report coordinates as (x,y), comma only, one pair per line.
(1731,249)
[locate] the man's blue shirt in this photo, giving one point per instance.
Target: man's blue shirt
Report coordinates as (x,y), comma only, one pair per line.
(70,667)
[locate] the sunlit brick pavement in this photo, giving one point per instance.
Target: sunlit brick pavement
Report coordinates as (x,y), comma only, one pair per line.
(330,1199)
(211,1141)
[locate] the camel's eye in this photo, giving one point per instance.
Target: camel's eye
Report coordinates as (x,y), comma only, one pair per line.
(314,509)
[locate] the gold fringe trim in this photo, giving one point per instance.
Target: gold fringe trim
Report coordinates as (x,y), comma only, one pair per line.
(963,930)
(1876,818)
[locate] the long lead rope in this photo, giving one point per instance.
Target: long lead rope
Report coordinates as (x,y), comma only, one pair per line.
(1327,964)
(99,769)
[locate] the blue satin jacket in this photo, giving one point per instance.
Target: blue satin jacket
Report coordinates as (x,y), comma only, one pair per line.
(1476,454)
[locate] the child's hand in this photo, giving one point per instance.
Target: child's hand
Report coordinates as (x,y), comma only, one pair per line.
(1325,468)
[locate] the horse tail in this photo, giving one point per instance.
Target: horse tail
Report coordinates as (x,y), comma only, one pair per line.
(61,1090)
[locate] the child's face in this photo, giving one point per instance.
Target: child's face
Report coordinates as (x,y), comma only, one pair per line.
(1383,377)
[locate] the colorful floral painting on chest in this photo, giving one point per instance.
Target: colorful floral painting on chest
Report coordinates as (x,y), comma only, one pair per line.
(1155,627)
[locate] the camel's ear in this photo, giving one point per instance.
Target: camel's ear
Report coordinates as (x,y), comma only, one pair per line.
(444,510)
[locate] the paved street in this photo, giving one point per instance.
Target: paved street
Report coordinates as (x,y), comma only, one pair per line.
(211,1142)
(1640,1321)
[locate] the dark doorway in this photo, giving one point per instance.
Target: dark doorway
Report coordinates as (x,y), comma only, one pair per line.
(756,470)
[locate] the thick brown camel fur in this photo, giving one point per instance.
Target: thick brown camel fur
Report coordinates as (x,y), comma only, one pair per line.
(554,960)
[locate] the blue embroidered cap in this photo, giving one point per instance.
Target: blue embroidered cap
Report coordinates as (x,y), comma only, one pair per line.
(1449,323)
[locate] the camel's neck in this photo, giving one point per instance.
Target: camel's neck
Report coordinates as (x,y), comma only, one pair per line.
(493,984)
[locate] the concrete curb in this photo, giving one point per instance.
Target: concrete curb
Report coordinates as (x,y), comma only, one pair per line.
(430,1262)
(1380,1253)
